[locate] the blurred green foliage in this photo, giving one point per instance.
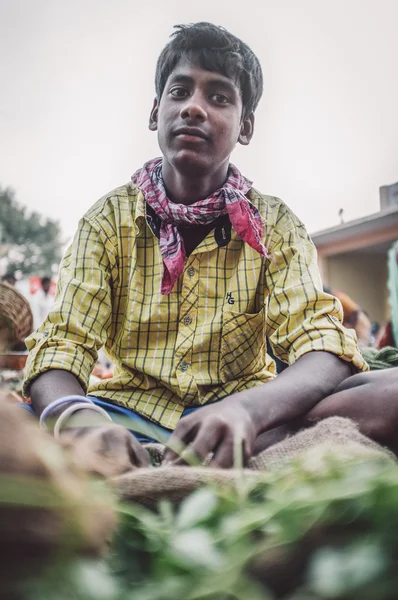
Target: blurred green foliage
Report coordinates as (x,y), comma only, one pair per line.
(299,533)
(30,242)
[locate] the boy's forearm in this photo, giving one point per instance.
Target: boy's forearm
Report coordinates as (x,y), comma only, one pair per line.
(52,385)
(295,391)
(55,384)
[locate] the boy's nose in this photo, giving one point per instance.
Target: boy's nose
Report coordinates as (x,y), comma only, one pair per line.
(194,110)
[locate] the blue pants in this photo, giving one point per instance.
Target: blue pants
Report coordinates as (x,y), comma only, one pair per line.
(143,429)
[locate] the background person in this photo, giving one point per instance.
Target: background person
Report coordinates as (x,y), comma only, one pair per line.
(42,302)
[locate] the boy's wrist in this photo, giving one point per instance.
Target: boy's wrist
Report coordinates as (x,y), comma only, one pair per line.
(268,406)
(254,402)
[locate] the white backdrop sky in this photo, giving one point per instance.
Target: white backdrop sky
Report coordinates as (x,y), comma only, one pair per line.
(76,81)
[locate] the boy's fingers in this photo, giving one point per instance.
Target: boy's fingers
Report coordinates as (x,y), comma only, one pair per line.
(180,439)
(107,451)
(206,440)
(224,455)
(187,457)
(138,455)
(233,452)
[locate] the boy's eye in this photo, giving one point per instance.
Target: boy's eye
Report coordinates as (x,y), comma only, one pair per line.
(220,98)
(179,92)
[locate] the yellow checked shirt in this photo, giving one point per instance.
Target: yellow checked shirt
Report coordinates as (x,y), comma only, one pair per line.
(205,340)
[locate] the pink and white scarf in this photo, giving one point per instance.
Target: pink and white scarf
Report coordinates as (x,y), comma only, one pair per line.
(231,199)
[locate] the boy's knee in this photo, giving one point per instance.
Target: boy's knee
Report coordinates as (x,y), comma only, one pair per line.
(378,379)
(354,381)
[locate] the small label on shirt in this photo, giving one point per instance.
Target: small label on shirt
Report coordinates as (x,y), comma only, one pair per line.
(222,233)
(230,298)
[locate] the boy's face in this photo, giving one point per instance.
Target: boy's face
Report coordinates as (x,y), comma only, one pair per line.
(199,120)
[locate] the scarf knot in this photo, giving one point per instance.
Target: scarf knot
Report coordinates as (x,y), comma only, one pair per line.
(229,199)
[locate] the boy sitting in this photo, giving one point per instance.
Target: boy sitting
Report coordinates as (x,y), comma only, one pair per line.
(181,275)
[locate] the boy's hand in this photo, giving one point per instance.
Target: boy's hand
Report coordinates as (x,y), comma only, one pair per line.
(224,430)
(105,450)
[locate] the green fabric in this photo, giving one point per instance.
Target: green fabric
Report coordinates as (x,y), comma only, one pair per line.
(393,288)
(386,358)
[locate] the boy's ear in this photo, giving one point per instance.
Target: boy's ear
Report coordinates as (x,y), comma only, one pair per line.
(246,130)
(153,117)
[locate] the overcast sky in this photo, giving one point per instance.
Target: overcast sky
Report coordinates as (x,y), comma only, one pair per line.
(77,86)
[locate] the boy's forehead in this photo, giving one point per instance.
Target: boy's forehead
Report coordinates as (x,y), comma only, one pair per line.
(191,71)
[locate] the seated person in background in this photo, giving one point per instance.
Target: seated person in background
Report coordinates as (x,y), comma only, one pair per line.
(354,317)
(385,336)
(388,333)
(181,275)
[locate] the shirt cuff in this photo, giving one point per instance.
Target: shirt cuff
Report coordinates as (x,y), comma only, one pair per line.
(65,356)
(334,339)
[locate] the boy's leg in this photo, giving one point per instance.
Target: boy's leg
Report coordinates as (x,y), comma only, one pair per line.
(369,399)
(142,429)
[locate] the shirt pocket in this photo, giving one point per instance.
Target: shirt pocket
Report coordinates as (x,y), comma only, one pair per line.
(243,346)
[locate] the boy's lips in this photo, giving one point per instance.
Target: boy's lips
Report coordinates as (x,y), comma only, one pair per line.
(190,132)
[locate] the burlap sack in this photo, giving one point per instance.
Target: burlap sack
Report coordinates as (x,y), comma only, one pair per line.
(341,436)
(334,436)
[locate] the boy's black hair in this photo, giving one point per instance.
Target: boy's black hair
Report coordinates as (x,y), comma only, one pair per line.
(215,49)
(45,279)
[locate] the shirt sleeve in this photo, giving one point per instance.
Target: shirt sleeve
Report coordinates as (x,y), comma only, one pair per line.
(301,317)
(81,316)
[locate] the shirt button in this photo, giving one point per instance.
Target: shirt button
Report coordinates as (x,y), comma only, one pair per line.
(187,320)
(184,366)
(191,271)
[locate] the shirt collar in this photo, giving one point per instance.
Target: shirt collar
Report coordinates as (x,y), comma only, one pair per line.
(144,213)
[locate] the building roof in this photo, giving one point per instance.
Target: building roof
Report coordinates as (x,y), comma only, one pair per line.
(360,232)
